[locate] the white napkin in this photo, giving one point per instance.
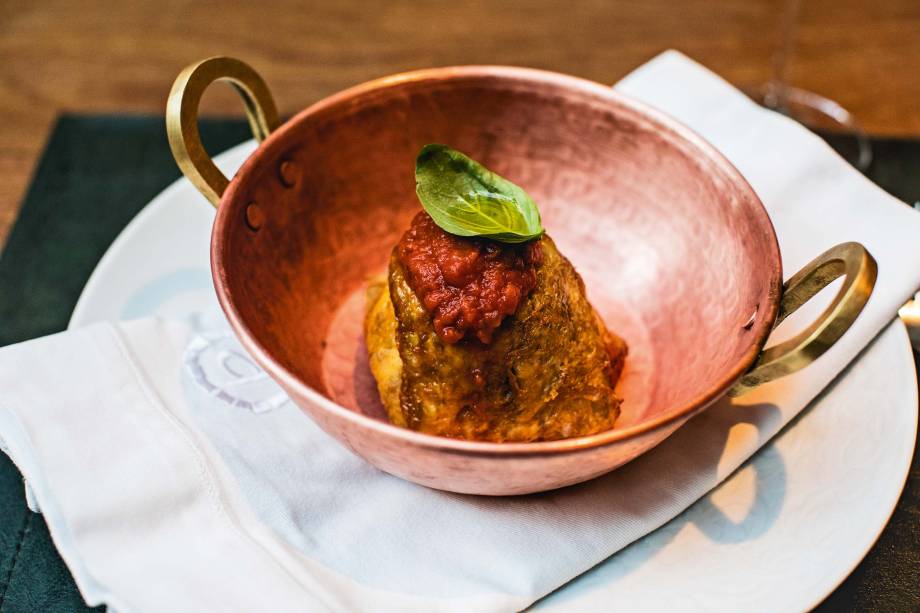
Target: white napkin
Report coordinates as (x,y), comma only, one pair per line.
(174,477)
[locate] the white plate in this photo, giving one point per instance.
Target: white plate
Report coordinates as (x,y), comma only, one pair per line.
(779,535)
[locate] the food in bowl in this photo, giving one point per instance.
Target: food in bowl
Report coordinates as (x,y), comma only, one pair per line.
(481,329)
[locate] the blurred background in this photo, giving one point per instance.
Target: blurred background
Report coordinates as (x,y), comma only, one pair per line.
(105,57)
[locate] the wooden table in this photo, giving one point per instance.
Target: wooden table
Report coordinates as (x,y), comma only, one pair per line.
(85,56)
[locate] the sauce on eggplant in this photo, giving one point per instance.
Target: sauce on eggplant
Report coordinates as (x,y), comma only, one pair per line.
(468,285)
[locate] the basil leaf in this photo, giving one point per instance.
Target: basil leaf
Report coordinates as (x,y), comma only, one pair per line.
(467,199)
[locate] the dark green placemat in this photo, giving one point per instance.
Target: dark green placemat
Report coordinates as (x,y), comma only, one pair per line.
(97,173)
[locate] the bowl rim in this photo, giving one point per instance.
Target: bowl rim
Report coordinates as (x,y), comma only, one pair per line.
(603,93)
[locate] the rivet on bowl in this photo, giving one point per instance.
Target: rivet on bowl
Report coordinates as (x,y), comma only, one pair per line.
(254,216)
(288,174)
(751,319)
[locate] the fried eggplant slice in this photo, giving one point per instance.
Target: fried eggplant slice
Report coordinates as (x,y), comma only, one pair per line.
(548,373)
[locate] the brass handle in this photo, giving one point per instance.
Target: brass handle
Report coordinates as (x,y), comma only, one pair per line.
(860,270)
(182,117)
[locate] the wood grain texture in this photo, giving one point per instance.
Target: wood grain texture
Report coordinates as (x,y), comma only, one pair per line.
(93,56)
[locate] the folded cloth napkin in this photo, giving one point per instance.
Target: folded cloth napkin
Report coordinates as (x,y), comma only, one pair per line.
(174,476)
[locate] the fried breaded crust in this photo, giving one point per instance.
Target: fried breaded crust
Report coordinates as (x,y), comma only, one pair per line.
(548,373)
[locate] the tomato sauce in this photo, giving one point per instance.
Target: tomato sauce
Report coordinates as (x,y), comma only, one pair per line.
(469,285)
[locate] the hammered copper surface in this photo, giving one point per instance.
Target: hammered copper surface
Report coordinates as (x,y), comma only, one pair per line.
(677,253)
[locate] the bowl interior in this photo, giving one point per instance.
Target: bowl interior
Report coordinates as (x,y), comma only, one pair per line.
(676,251)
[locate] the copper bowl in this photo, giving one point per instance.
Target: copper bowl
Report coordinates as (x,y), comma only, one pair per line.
(677,252)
